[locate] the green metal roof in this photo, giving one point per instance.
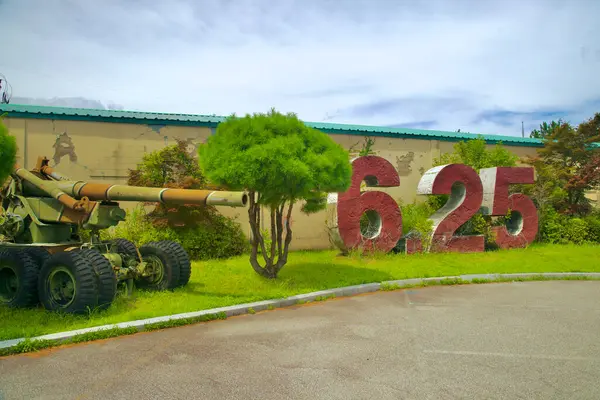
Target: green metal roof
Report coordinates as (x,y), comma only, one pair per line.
(154,118)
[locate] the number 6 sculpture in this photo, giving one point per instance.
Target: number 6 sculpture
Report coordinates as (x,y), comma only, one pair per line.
(468,192)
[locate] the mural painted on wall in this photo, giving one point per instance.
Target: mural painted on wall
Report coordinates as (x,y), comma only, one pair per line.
(63,146)
(192,146)
(403,163)
(468,193)
(114,164)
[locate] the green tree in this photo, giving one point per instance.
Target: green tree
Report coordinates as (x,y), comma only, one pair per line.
(545,129)
(475,153)
(568,164)
(170,166)
(8,152)
(279,161)
(202,230)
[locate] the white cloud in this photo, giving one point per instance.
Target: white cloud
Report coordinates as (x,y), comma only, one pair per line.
(442,61)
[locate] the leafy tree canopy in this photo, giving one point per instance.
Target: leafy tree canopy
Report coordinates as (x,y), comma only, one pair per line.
(171,166)
(8,152)
(571,146)
(545,129)
(476,154)
(278,160)
(569,164)
(277,156)
(203,231)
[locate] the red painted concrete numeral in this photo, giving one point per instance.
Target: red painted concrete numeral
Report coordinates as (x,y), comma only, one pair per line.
(464,186)
(352,204)
(522,227)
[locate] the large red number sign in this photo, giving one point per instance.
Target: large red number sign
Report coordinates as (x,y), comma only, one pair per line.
(522,226)
(463,185)
(375,171)
(468,193)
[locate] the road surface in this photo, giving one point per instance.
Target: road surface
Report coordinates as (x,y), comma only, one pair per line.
(533,340)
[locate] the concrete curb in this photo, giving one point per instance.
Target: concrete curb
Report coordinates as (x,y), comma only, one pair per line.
(241,309)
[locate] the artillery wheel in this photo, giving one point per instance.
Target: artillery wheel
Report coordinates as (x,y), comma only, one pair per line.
(127,247)
(18,278)
(39,254)
(106,279)
(185,266)
(67,283)
(162,264)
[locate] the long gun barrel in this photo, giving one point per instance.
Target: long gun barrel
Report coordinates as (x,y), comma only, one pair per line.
(76,194)
(108,192)
(48,187)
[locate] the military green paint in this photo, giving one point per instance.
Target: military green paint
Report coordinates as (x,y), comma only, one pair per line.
(55,233)
(46,186)
(63,288)
(104,216)
(155,268)
(114,259)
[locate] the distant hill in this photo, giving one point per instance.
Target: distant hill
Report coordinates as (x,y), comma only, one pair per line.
(76,102)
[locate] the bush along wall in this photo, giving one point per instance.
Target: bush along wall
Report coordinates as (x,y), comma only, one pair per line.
(206,235)
(202,231)
(567,167)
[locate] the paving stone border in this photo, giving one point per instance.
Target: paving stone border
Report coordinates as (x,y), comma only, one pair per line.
(248,308)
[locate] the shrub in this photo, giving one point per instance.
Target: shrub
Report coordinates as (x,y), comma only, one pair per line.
(415,224)
(576,231)
(201,230)
(593,223)
(559,228)
(415,218)
(551,226)
(219,238)
(475,154)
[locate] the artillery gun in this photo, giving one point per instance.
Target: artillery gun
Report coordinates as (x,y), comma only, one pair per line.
(43,257)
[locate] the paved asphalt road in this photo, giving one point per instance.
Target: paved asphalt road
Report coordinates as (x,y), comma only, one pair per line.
(535,340)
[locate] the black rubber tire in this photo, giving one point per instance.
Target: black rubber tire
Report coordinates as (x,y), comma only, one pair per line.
(20,264)
(106,279)
(86,291)
(185,266)
(39,254)
(169,262)
(125,246)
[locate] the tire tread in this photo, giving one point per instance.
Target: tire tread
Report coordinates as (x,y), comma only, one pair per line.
(29,270)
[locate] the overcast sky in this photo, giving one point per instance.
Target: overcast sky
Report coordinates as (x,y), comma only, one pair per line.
(479,66)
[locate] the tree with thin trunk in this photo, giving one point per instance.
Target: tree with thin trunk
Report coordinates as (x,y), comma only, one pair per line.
(570,161)
(278,161)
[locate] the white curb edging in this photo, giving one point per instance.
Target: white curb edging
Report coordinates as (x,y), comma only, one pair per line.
(241,309)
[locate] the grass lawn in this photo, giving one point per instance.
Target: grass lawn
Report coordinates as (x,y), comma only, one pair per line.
(227,282)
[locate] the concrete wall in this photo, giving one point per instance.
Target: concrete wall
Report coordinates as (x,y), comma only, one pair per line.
(103,152)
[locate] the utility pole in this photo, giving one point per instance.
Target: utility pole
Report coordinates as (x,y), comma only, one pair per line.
(522,129)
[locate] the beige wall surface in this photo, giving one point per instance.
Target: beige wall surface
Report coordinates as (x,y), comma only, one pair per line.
(103,152)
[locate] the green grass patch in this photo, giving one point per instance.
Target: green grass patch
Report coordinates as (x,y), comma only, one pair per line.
(30,345)
(222,283)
